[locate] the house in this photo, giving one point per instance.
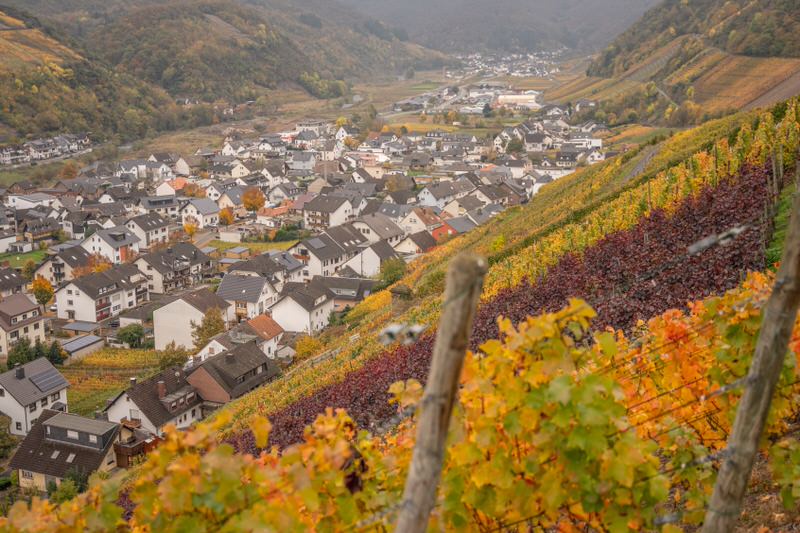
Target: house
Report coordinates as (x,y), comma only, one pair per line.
(173,322)
(233,373)
(303,308)
(171,187)
(437,195)
(461,206)
(154,403)
(101,295)
(150,228)
(378,227)
(177,164)
(417,243)
(420,219)
(20,318)
(369,260)
(27,390)
(321,256)
(11,282)
(177,267)
(62,266)
(118,244)
(250,296)
(63,443)
(326,211)
(166,206)
(347,292)
(283,192)
(202,212)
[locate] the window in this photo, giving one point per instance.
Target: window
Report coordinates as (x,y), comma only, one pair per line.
(54,455)
(32,407)
(36,326)
(2,392)
(69,302)
(44,402)
(193,413)
(174,405)
(93,439)
(70,457)
(72,434)
(27,474)
(18,425)
(55,396)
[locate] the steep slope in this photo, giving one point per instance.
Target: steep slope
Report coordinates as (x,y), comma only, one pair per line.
(508,25)
(558,424)
(764,28)
(47,86)
(686,61)
(211,49)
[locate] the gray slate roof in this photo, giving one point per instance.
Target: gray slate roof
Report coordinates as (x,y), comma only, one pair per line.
(40,380)
(239,288)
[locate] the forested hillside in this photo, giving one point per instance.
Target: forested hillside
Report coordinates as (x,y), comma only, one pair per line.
(115,67)
(763,28)
(48,86)
(210,49)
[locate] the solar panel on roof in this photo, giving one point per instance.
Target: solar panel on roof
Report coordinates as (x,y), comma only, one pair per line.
(48,379)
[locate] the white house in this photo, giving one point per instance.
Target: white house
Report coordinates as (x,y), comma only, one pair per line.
(203,212)
(249,295)
(118,244)
(27,390)
(101,295)
(173,322)
(151,229)
(303,308)
(368,262)
(162,400)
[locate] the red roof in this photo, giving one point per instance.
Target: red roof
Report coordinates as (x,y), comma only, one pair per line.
(265,326)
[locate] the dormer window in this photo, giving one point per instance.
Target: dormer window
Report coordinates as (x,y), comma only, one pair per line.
(93,439)
(72,434)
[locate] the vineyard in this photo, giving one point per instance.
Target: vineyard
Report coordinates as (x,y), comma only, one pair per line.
(102,374)
(616,326)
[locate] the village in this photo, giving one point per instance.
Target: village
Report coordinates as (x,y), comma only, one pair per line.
(231,257)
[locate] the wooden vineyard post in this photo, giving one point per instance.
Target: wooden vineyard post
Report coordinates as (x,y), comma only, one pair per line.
(464,283)
(780,314)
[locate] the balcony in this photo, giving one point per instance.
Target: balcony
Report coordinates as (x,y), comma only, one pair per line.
(100,305)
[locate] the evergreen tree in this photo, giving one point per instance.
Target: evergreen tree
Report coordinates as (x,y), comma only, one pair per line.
(55,354)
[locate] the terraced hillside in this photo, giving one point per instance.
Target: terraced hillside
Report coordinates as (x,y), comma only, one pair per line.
(553,409)
(523,245)
(686,61)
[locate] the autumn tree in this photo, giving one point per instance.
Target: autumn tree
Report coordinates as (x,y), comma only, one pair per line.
(193,190)
(29,269)
(253,199)
(69,171)
(96,263)
(42,290)
(190,227)
(226,216)
(213,324)
(171,356)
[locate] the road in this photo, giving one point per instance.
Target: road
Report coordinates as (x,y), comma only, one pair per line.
(46,161)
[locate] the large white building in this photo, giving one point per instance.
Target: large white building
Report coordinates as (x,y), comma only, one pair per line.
(173,322)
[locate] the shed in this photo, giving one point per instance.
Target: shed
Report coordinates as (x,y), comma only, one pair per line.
(79,347)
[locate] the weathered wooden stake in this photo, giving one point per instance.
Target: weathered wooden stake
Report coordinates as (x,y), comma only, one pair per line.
(780,315)
(464,283)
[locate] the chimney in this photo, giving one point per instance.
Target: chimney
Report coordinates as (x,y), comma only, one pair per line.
(133,381)
(229,358)
(20,372)
(196,360)
(162,389)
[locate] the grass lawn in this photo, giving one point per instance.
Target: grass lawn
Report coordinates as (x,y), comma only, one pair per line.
(19,260)
(255,247)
